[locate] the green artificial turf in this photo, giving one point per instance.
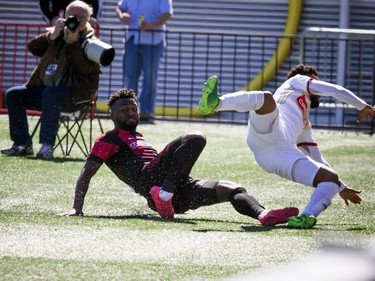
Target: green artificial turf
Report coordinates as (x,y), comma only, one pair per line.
(120,238)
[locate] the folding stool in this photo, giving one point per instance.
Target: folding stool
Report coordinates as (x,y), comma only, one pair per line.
(72,125)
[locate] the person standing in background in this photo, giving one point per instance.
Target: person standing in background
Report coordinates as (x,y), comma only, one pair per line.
(144,46)
(53,9)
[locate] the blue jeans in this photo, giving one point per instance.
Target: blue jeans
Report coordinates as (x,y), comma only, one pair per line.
(146,59)
(51,101)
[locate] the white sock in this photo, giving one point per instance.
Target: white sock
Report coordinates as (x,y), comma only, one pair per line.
(263,213)
(242,101)
(321,198)
(165,195)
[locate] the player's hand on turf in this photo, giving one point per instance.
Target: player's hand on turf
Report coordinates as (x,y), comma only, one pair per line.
(349,194)
(72,212)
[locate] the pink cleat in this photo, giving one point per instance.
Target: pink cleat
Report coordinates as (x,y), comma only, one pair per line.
(273,217)
(164,208)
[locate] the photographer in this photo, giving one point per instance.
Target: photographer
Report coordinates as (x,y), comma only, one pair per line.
(51,10)
(64,80)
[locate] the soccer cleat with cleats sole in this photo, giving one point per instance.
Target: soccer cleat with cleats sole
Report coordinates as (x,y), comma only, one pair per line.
(302,222)
(210,97)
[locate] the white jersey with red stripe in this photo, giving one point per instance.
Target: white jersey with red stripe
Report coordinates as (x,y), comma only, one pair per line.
(293,101)
(274,137)
(288,122)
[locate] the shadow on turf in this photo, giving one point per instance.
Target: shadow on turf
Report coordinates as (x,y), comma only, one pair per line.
(195,222)
(58,159)
(157,218)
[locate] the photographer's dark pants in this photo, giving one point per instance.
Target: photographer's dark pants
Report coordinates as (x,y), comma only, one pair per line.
(51,101)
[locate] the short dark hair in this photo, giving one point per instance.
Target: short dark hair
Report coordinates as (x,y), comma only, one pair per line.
(303,70)
(121,94)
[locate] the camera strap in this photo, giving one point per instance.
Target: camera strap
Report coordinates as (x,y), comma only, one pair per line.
(56,68)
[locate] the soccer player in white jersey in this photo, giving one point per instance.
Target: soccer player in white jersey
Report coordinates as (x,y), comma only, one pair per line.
(280,136)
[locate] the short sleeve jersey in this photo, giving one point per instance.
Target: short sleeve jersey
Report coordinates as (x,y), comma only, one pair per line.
(294,105)
(125,153)
(150,10)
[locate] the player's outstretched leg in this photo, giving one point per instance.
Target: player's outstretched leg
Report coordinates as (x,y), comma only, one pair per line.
(210,96)
(273,217)
(302,222)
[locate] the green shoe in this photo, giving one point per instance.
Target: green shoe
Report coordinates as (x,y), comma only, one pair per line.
(210,96)
(302,222)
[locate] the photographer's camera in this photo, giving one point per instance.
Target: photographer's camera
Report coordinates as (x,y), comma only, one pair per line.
(72,23)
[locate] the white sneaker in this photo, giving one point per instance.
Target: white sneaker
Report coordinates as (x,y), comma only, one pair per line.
(45,152)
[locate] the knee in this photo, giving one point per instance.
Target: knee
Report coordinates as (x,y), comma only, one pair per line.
(269,101)
(11,94)
(229,191)
(236,191)
(195,136)
(14,97)
(326,175)
(269,104)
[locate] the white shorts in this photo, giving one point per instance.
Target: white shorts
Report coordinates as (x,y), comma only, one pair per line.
(275,153)
(290,164)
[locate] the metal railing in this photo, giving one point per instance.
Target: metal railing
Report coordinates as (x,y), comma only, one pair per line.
(190,57)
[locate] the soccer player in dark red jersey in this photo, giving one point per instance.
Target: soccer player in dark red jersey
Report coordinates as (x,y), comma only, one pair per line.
(163,177)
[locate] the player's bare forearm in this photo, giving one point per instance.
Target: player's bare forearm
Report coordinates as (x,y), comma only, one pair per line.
(80,193)
(83,182)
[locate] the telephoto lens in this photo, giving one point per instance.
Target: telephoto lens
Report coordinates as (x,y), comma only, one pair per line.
(72,23)
(98,51)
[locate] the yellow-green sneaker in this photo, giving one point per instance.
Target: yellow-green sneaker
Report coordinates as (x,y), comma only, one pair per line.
(210,96)
(302,222)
